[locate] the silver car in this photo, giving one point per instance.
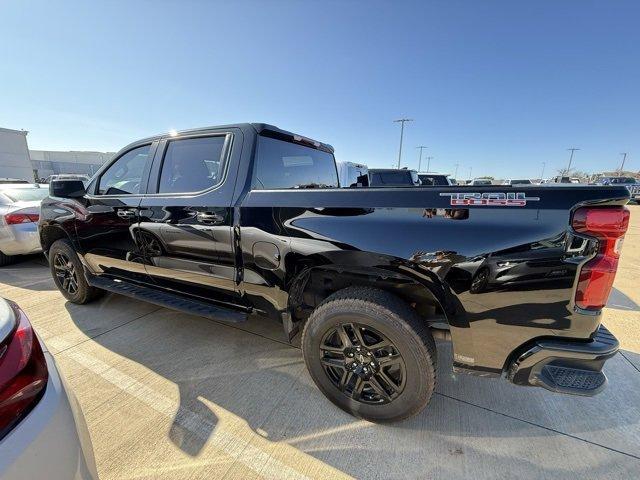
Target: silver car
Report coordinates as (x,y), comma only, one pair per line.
(39,436)
(19,213)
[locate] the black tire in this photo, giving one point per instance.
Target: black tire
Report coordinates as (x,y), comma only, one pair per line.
(71,282)
(6,259)
(375,313)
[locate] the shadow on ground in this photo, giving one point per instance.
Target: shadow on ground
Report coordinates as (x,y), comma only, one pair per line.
(187,383)
(470,421)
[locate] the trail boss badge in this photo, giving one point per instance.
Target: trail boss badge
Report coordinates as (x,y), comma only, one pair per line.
(496,199)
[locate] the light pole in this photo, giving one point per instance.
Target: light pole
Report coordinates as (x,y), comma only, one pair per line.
(624,159)
(429,163)
(455,175)
(401,121)
(470,170)
(544,164)
(572,150)
(421,147)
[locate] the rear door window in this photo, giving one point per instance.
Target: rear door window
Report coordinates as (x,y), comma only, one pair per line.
(282,165)
(192,164)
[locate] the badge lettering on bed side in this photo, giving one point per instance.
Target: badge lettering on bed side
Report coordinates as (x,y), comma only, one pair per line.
(496,199)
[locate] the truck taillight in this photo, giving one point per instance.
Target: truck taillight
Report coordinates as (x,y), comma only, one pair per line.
(608,225)
(23,373)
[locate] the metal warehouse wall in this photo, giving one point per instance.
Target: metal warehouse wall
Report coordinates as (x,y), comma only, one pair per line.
(14,155)
(50,162)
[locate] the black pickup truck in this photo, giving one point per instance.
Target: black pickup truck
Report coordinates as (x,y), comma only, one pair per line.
(228,221)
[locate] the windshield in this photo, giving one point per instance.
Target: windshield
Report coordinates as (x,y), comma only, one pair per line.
(25,194)
(437,180)
(521,182)
(398,177)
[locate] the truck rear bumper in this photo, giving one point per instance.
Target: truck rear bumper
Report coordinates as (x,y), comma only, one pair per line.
(566,366)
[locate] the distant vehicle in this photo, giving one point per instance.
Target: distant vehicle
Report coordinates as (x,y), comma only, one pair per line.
(38,434)
(616,181)
(632,184)
(390,177)
(348,173)
(481,181)
(560,179)
(19,213)
(4,181)
(434,179)
(524,181)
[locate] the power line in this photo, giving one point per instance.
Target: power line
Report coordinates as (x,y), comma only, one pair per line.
(421,147)
(401,121)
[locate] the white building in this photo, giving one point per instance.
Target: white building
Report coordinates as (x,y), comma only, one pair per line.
(17,161)
(14,155)
(49,162)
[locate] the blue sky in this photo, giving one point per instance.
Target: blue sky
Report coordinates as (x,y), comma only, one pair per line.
(497,86)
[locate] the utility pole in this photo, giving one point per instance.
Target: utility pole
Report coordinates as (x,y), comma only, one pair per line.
(401,121)
(455,175)
(624,159)
(572,150)
(544,164)
(421,147)
(429,163)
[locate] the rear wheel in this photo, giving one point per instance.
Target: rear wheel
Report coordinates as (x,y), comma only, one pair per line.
(370,354)
(68,274)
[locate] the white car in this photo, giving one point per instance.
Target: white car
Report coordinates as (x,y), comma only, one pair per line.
(19,214)
(39,434)
(523,181)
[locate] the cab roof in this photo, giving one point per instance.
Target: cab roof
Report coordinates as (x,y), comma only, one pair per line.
(259,128)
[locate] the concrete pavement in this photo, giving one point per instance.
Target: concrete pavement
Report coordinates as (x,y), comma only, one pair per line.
(168,395)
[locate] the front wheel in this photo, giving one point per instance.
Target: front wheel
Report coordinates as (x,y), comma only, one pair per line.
(370,354)
(68,273)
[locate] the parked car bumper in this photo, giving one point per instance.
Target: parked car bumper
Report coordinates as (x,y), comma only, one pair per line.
(20,239)
(566,366)
(52,441)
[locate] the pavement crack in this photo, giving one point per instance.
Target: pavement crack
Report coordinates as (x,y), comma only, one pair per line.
(538,425)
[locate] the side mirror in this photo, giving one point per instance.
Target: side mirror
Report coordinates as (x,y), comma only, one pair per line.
(67,188)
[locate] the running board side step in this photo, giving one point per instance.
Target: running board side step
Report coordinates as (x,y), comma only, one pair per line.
(167,300)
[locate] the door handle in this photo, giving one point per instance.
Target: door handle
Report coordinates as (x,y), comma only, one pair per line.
(126,213)
(211,218)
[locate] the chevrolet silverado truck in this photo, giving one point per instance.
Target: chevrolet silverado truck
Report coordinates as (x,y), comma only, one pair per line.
(243,219)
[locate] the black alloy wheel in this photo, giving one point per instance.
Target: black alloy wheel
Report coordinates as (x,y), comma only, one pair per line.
(371,354)
(363,363)
(480,281)
(66,273)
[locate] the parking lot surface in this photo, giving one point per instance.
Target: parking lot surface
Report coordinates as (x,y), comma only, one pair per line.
(169,395)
